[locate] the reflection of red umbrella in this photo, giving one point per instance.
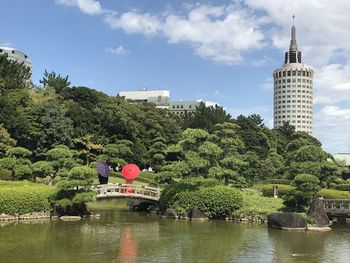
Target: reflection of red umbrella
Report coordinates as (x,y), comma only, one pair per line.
(130,172)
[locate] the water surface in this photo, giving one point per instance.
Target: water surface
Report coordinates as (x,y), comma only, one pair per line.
(124,236)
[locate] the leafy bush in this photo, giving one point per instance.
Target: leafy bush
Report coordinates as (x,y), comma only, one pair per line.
(333,194)
(283,190)
(216,201)
(24,197)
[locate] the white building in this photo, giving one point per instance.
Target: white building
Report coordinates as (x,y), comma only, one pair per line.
(17,55)
(293,91)
(159,97)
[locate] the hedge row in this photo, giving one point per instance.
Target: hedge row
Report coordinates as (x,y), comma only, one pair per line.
(333,194)
(283,189)
(343,187)
(24,197)
(326,193)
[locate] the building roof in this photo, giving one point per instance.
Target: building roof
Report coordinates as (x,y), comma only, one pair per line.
(344,157)
(143,94)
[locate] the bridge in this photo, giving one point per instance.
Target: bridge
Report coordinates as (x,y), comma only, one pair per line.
(339,208)
(127,191)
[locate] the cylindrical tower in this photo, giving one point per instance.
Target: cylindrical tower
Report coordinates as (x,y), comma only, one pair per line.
(17,55)
(293,91)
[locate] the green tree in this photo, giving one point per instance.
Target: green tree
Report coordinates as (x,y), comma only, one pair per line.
(76,187)
(55,81)
(6,142)
(54,128)
(300,198)
(205,117)
(18,163)
(87,148)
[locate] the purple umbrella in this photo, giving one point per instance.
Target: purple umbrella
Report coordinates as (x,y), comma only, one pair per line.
(103,169)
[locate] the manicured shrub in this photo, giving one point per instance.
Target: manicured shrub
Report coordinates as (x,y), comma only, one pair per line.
(219,201)
(333,194)
(283,190)
(216,201)
(169,193)
(278,181)
(5,174)
(24,197)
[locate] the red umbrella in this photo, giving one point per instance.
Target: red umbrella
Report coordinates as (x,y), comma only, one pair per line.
(130,172)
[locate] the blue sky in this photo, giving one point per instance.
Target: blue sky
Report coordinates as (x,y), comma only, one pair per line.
(219,51)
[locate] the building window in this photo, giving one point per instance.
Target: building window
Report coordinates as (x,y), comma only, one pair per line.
(190,106)
(288,73)
(13,52)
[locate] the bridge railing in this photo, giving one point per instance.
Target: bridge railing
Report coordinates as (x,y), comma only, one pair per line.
(337,206)
(126,190)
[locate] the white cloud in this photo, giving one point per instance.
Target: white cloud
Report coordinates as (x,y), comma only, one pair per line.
(322,26)
(120,50)
(90,7)
(332,128)
(208,103)
(268,84)
(133,22)
(219,33)
(332,84)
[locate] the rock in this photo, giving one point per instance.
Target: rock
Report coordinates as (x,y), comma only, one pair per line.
(319,229)
(286,221)
(171,213)
(196,214)
(71,210)
(317,215)
(70,218)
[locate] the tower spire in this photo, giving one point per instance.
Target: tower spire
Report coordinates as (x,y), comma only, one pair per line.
(293,41)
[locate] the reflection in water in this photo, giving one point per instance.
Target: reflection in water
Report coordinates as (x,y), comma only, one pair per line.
(128,247)
(130,237)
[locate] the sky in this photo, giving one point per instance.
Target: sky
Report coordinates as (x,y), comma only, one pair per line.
(218,51)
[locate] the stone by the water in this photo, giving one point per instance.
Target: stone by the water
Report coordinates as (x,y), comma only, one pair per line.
(196,214)
(317,215)
(171,213)
(70,218)
(286,221)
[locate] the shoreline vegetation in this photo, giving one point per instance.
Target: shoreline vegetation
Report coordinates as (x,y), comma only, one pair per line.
(23,200)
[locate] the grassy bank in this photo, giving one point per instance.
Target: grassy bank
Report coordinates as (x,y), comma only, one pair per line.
(257,207)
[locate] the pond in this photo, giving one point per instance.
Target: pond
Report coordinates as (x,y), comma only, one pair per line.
(120,235)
